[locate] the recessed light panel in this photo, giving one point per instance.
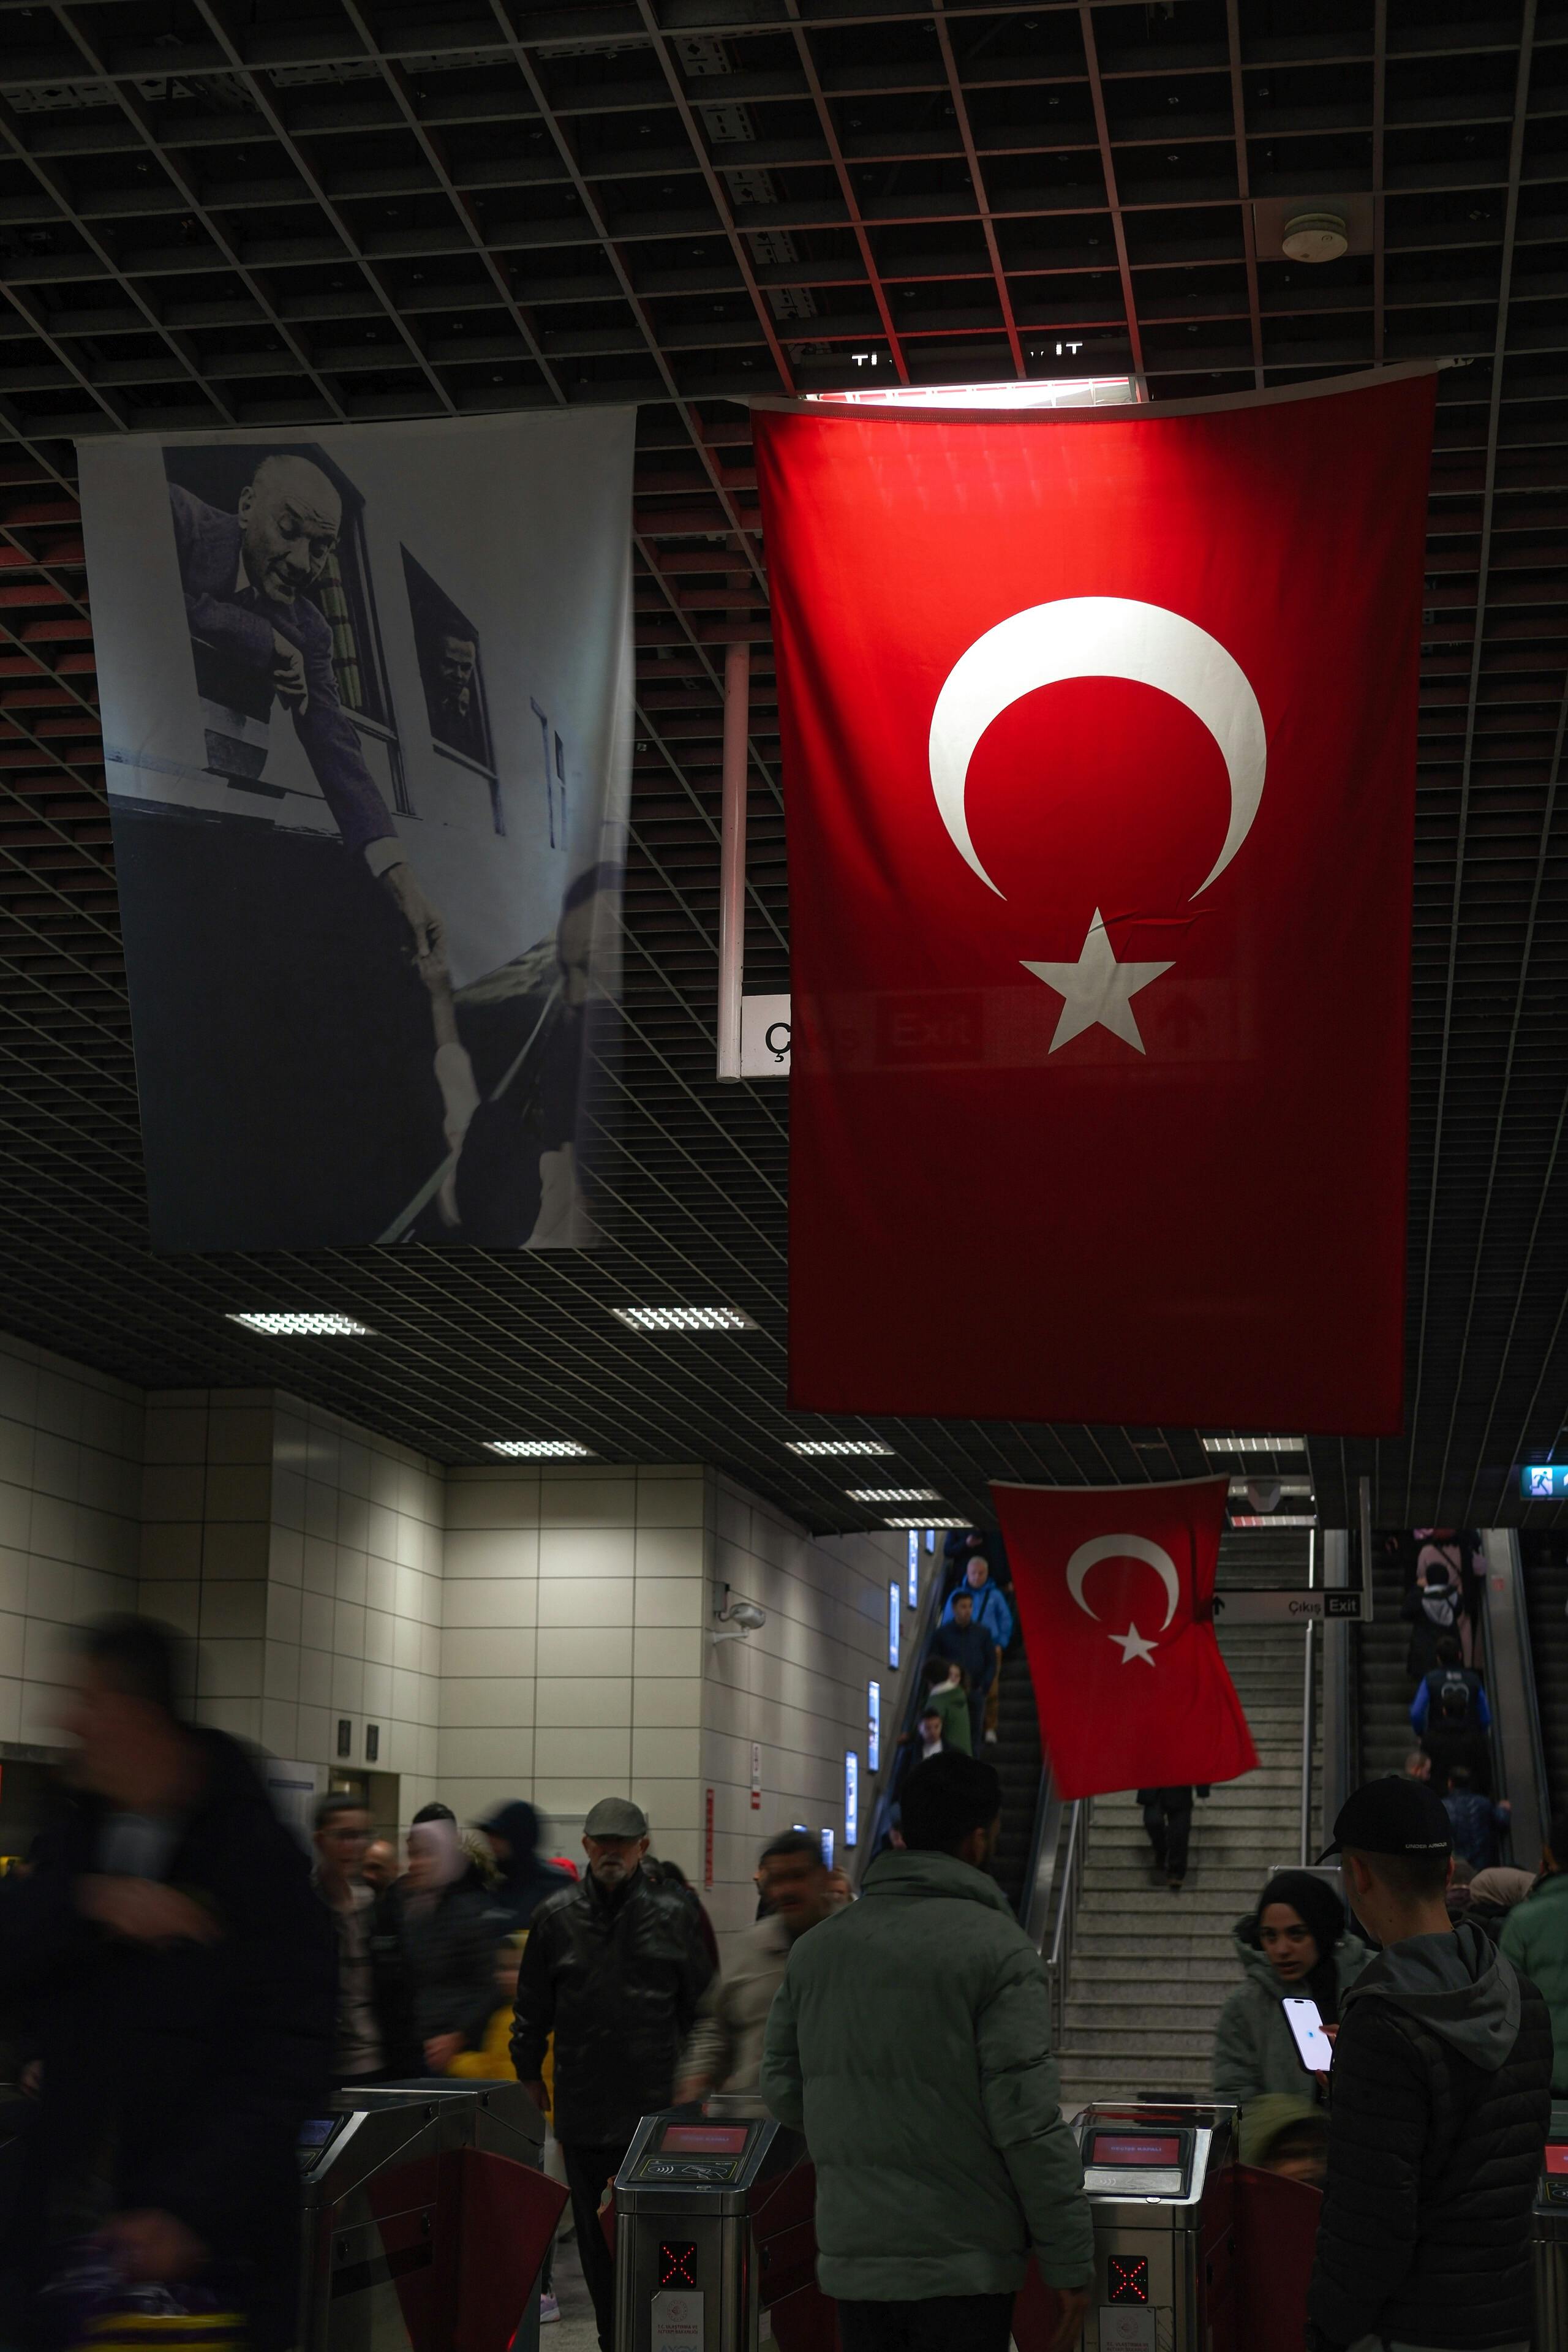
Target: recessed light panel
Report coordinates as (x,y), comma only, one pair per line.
(838,1445)
(683,1318)
(543,1449)
(892,1494)
(305,1327)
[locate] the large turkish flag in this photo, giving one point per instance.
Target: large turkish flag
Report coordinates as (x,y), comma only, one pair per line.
(1115,1586)
(1099,743)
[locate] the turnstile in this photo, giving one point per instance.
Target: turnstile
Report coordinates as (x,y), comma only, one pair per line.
(1548,2236)
(1160,2183)
(381,2184)
(709,2228)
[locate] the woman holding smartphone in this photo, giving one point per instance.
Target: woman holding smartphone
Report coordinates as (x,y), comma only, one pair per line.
(1296,1945)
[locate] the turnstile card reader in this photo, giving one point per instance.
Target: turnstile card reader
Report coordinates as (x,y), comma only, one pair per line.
(1158,2178)
(1548,2236)
(688,2265)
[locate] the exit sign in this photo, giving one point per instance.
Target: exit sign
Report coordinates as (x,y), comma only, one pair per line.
(1544,1482)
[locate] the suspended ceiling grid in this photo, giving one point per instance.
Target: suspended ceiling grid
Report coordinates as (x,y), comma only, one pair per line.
(268,216)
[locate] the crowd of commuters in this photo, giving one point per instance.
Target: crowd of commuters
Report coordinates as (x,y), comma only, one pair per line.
(191,1986)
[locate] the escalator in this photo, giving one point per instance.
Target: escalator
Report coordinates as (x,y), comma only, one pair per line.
(1545,1577)
(1017,1757)
(1382,1687)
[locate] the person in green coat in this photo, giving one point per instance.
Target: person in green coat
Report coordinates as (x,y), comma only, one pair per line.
(1296,1941)
(948,1698)
(1535,1939)
(911,2042)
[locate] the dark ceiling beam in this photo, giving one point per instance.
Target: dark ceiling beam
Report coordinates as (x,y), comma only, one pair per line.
(977,181)
(1244,186)
(1108,166)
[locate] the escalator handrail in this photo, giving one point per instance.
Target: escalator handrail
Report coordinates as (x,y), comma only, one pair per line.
(924,1629)
(1531,1694)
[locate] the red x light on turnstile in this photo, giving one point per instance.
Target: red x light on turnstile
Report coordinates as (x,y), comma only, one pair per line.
(1127,2279)
(677,2265)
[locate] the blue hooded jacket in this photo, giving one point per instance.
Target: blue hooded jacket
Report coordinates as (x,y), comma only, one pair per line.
(991,1610)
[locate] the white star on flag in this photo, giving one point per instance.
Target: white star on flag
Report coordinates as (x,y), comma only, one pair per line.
(1133,1645)
(1096,989)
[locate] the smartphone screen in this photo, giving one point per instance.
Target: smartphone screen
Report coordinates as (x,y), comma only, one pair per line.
(1315,2049)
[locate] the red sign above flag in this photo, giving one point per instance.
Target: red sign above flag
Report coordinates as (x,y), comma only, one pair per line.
(1098,739)
(1114,1587)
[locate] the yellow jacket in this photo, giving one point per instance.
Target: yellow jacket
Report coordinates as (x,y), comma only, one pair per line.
(491,2063)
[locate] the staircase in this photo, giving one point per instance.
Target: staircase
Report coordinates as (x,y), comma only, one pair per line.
(1384,1687)
(1151,1969)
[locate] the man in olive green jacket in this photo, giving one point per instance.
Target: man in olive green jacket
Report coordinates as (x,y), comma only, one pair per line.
(1535,1939)
(911,2042)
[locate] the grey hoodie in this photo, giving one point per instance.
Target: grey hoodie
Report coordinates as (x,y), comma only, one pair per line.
(1457,1985)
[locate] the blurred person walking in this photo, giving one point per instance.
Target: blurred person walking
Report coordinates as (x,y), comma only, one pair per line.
(375,2036)
(911,2042)
(379,1868)
(725,2050)
(1534,1937)
(523,1881)
(945,1692)
(1432,1610)
(615,1968)
(447,1939)
(1441,2101)
(177,1971)
(1297,1941)
(1450,1693)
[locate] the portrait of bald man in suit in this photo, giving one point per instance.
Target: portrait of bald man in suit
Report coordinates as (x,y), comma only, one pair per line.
(258,638)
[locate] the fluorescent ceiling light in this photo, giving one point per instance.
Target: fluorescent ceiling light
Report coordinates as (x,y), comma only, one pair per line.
(1274,1519)
(892,1494)
(838,1445)
(547,1448)
(1255,1445)
(305,1327)
(1035,391)
(925,1523)
(684,1318)
(1286,1485)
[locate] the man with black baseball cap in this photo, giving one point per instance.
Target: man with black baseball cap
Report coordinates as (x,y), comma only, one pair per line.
(614,1967)
(1439,2100)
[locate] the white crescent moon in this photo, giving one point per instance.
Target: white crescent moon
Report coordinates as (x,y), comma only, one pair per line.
(1097,636)
(1090,1555)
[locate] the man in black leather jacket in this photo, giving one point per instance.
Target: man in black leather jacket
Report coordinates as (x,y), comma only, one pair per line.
(613,1968)
(1438,2105)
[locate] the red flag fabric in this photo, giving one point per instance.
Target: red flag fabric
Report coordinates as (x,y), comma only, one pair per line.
(1098,745)
(1114,1586)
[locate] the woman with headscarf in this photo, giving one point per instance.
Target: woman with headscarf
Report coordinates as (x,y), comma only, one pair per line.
(1295,1943)
(448,1944)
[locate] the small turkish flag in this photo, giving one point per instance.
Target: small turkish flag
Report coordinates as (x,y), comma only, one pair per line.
(1115,1592)
(1100,759)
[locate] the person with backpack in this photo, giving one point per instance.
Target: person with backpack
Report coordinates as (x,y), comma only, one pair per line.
(1432,1610)
(1451,1694)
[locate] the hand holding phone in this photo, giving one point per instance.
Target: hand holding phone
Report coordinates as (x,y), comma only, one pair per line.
(1313,2045)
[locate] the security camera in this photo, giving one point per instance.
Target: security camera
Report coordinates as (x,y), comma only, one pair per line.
(737,1618)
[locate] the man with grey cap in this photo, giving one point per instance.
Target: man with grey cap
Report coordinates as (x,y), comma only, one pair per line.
(1439,2099)
(614,1967)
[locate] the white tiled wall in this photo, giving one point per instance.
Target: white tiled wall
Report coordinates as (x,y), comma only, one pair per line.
(798,1687)
(353,1606)
(303,1557)
(70,1482)
(574,1609)
(512,1630)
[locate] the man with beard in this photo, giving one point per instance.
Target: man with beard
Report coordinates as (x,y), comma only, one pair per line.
(613,1968)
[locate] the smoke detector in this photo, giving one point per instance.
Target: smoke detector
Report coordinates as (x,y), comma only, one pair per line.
(1315,237)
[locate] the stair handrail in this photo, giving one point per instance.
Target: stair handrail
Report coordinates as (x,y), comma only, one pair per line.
(1058,1959)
